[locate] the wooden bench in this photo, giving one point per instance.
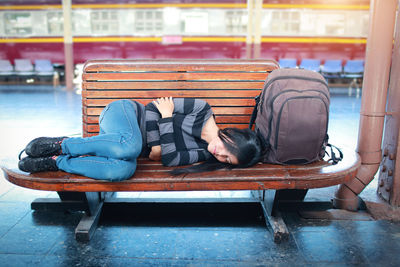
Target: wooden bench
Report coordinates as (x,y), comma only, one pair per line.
(230,88)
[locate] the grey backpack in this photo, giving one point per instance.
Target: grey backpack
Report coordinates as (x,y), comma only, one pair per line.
(291,117)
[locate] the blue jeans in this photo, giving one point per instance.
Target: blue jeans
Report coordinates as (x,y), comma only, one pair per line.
(112,154)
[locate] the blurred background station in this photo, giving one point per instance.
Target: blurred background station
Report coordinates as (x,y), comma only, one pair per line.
(47,41)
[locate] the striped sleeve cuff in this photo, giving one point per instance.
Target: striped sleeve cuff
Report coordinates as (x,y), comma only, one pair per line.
(165,125)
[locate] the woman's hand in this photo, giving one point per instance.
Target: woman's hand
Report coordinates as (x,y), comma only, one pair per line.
(155,153)
(165,106)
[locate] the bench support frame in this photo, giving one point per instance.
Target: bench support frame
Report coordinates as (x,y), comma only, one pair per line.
(89,202)
(92,204)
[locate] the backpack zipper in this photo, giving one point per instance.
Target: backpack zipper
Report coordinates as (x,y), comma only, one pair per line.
(289,77)
(281,93)
(280,114)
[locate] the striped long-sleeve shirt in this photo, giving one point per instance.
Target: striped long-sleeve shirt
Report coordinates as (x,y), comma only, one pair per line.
(179,135)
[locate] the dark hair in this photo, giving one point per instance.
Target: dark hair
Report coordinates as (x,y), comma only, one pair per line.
(243,143)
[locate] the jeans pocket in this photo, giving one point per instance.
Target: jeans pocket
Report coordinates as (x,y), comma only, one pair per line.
(102,113)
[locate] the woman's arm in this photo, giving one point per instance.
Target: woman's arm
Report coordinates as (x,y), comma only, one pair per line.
(185,106)
(155,153)
(170,156)
(160,130)
(165,106)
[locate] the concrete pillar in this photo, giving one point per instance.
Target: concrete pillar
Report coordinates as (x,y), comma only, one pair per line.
(249,35)
(257,28)
(373,103)
(68,45)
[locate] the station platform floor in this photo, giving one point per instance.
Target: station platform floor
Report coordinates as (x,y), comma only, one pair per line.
(179,235)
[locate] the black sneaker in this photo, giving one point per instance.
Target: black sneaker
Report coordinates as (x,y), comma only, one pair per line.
(44,147)
(29,164)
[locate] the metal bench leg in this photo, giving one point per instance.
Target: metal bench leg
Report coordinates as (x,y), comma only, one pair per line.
(272,201)
(90,202)
(88,224)
(272,216)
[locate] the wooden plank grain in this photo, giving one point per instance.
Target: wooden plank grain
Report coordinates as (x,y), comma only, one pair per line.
(94,120)
(225,102)
(181,65)
(93,129)
(113,85)
(152,94)
(90,123)
(94,111)
(175,76)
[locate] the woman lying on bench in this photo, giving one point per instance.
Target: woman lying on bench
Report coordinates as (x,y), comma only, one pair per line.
(176,131)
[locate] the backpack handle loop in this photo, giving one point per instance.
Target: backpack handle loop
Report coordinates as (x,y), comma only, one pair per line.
(334,159)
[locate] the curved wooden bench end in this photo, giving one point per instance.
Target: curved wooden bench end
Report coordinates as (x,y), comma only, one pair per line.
(152,176)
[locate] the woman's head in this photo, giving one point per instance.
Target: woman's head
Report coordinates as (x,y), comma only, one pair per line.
(232,148)
(239,147)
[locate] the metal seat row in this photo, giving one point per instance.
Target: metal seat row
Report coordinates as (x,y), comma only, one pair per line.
(24,68)
(330,69)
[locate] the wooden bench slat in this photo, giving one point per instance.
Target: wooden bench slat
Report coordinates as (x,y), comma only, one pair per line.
(173,76)
(102,102)
(174,93)
(181,65)
(92,130)
(95,128)
(172,85)
(216,110)
(93,121)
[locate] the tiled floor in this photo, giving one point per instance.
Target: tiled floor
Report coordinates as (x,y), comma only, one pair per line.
(174,235)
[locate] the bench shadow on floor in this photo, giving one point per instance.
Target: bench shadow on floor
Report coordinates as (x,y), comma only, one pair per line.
(179,234)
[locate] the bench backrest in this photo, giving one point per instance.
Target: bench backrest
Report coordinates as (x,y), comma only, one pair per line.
(229,86)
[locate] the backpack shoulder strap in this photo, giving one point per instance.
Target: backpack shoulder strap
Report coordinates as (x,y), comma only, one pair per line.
(255,111)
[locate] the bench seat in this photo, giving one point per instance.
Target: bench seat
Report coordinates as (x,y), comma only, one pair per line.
(152,176)
(265,180)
